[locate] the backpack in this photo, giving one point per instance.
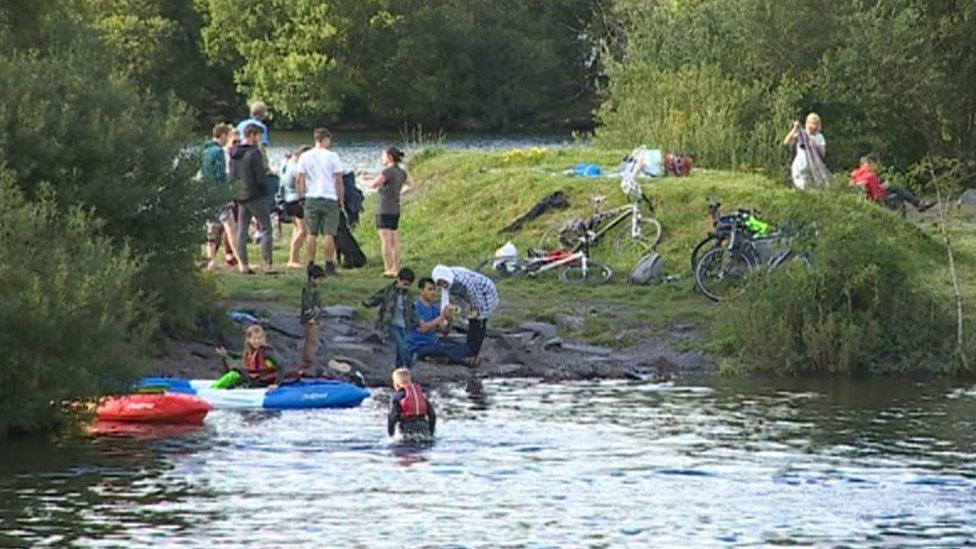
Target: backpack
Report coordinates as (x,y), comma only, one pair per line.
(647,270)
(353,198)
(348,252)
(678,164)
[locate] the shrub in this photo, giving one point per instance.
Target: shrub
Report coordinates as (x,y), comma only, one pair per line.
(68,119)
(73,320)
(865,304)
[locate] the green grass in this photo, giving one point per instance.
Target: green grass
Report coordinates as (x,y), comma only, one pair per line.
(464,198)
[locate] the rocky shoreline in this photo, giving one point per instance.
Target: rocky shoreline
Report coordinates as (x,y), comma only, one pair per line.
(532,350)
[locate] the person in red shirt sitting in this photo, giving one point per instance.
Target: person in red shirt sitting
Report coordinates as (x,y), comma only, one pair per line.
(892,196)
(409,408)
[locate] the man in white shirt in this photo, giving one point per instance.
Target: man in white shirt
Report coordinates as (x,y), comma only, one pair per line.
(319,182)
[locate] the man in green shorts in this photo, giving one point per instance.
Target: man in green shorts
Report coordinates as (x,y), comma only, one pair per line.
(319,181)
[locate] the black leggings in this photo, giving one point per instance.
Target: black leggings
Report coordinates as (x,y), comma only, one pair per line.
(477,327)
(895,196)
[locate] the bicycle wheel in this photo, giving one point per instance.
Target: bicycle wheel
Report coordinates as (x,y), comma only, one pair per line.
(649,233)
(708,243)
(550,238)
(596,273)
(722,273)
(501,267)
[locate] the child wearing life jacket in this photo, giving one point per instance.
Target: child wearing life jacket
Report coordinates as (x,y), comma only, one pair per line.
(409,408)
(261,368)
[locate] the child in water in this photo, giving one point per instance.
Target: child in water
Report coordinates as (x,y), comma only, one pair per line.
(409,408)
(311,308)
(261,367)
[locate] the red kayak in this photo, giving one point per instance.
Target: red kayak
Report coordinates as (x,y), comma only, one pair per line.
(156,408)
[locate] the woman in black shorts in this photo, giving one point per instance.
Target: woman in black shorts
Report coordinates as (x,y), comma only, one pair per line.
(293,208)
(389,185)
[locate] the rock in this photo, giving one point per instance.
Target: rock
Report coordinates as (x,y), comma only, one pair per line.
(351,347)
(587,349)
(339,311)
(474,387)
(544,329)
(373,339)
(553,343)
(968,198)
(569,322)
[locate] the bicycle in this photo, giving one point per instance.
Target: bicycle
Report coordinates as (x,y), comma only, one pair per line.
(722,225)
(642,233)
(574,267)
(726,268)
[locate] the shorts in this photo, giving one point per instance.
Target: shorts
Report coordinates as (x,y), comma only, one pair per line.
(294,209)
(387,221)
(322,216)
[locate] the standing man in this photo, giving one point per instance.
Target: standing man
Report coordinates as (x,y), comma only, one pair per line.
(477,292)
(213,168)
(259,113)
(248,174)
(319,182)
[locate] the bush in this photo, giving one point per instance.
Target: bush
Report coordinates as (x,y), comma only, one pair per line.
(69,120)
(73,320)
(864,306)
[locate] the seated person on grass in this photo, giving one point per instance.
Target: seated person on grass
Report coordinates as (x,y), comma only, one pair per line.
(428,322)
(866,175)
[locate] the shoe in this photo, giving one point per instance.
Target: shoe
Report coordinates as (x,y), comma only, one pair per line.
(924,207)
(330,269)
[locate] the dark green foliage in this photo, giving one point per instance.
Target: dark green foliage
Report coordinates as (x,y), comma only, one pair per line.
(105,148)
(894,77)
(866,305)
(73,320)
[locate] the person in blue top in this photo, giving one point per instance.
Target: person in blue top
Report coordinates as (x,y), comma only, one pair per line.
(259,113)
(429,321)
(292,206)
(213,171)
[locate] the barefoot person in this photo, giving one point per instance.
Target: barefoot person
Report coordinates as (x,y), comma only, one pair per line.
(807,168)
(319,182)
(389,185)
(249,173)
(477,292)
(228,218)
(293,207)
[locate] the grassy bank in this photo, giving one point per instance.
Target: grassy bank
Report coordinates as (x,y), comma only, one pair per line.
(464,198)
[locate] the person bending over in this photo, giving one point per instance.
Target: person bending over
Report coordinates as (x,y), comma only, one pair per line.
(477,292)
(409,408)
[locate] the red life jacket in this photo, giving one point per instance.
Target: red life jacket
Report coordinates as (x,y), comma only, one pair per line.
(258,368)
(414,403)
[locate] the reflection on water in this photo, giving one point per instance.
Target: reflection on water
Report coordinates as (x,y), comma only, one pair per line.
(361,151)
(690,463)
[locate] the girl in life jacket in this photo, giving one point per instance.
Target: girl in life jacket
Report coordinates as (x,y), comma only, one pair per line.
(409,407)
(261,368)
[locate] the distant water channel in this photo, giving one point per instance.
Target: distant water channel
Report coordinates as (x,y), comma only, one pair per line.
(699,462)
(361,151)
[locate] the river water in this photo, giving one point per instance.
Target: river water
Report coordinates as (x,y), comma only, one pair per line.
(698,462)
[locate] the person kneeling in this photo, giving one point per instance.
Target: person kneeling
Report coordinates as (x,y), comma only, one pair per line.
(409,408)
(429,320)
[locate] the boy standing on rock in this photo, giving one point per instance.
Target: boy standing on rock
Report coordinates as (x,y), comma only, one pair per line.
(396,314)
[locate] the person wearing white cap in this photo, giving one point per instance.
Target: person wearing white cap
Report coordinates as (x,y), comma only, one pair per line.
(476,291)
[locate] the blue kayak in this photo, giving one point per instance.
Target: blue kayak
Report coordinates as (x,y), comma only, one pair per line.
(306,393)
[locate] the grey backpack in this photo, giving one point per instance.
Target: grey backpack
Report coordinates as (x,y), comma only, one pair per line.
(649,269)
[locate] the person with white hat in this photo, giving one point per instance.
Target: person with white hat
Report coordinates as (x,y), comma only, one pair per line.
(476,291)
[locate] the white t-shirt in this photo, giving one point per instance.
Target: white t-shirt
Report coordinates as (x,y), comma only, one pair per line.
(320,167)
